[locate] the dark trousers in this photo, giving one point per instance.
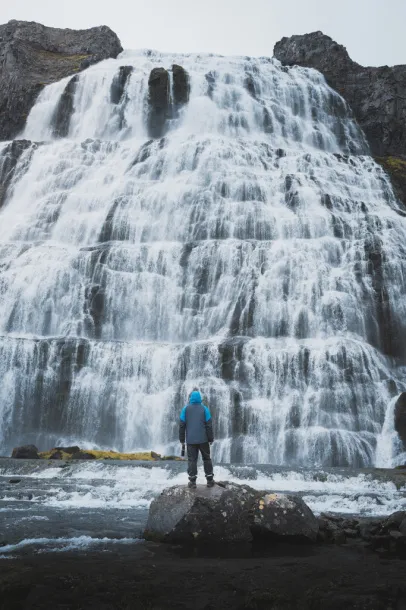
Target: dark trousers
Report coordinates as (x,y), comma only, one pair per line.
(193,454)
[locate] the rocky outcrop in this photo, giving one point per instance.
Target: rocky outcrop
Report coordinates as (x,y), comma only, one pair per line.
(27,452)
(181,86)
(400,418)
(8,162)
(376,95)
(158,102)
(33,55)
(228,513)
(164,103)
(64,110)
(119,84)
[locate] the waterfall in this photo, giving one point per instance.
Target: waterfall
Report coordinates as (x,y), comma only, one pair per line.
(255,250)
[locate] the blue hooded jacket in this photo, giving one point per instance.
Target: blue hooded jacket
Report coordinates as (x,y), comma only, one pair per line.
(195,425)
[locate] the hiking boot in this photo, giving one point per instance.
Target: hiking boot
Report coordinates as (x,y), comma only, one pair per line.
(192,484)
(210,483)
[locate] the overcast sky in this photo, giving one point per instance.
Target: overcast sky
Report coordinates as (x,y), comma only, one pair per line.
(372,30)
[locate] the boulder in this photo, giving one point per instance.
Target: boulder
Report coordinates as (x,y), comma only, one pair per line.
(27,452)
(228,513)
(83,455)
(33,55)
(70,450)
(283,516)
(218,514)
(400,417)
(158,102)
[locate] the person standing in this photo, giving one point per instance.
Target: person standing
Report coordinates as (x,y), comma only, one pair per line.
(196,428)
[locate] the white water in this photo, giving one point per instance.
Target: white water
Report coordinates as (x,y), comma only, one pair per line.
(229,264)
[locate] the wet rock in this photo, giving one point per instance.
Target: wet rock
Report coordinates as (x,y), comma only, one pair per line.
(56,455)
(33,55)
(158,102)
(181,86)
(228,513)
(376,95)
(216,515)
(64,110)
(280,516)
(83,455)
(14,481)
(119,84)
(400,417)
(26,452)
(8,163)
(70,450)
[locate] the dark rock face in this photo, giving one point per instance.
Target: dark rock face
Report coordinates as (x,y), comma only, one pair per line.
(27,452)
(400,417)
(158,101)
(119,83)
(32,56)
(8,163)
(376,95)
(228,513)
(284,516)
(181,87)
(64,109)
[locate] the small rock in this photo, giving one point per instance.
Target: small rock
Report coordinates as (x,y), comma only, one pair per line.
(14,480)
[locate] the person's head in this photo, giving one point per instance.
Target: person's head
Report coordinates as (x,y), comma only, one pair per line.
(195,396)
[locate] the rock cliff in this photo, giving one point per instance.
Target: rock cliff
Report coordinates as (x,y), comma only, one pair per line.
(377,96)
(33,55)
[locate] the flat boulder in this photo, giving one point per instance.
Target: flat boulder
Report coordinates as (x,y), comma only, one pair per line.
(218,514)
(27,452)
(284,516)
(228,513)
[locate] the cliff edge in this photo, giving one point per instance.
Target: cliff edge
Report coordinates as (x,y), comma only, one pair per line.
(33,55)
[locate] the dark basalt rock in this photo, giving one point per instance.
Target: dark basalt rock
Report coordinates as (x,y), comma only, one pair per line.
(400,417)
(181,85)
(33,55)
(119,83)
(158,102)
(287,517)
(83,455)
(64,110)
(228,513)
(27,452)
(376,95)
(70,450)
(8,163)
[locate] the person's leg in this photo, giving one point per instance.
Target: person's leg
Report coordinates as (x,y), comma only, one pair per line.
(207,463)
(192,455)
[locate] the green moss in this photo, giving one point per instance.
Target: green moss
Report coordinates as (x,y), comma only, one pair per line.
(393,165)
(61,56)
(146,456)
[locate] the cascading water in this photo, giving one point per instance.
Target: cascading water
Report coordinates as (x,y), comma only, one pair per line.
(255,250)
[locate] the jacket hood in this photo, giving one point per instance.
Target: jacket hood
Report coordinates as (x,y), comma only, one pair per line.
(195,398)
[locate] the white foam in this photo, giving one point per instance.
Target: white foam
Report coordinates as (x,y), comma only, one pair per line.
(101,486)
(65,544)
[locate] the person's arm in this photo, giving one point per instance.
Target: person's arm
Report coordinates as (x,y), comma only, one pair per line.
(182,426)
(208,424)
